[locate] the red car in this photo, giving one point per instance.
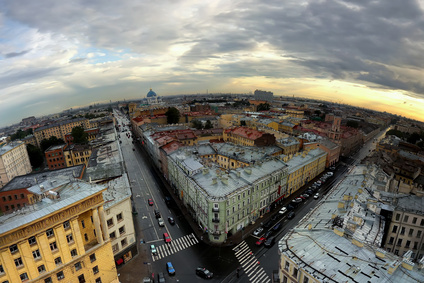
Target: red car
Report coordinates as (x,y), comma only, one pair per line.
(166,238)
(150,201)
(260,241)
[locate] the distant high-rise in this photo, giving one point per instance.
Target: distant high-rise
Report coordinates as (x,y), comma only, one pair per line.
(263,95)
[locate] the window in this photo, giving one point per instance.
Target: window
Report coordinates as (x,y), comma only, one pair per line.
(41,269)
(408,243)
(32,241)
(48,280)
(391,240)
(399,243)
(50,233)
(411,231)
(96,269)
(122,230)
(124,242)
(119,217)
(58,261)
(18,262)
(397,217)
(405,218)
(69,238)
(115,248)
(24,276)
(85,237)
(53,246)
(74,253)
(287,266)
(402,231)
(60,275)
(394,230)
(98,280)
(81,278)
(91,217)
(93,257)
(82,224)
(1,269)
(109,222)
(422,222)
(14,248)
(112,235)
(419,232)
(66,225)
(4,198)
(414,220)
(415,245)
(36,254)
(77,266)
(305,280)
(284,279)
(295,270)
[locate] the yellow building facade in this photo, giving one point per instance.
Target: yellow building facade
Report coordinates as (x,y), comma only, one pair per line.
(59,240)
(77,154)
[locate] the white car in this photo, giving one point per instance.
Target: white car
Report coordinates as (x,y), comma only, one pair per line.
(330,174)
(316,196)
(283,210)
(258,231)
(160,221)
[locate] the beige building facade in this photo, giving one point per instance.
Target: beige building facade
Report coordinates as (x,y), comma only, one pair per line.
(14,161)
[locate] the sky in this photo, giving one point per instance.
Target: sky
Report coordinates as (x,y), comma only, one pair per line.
(55,55)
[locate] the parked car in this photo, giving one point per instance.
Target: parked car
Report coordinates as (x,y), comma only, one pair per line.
(269,242)
(302,197)
(171,220)
(166,238)
(332,168)
(204,273)
(283,210)
(290,207)
(305,195)
(276,227)
(150,201)
(161,277)
(268,224)
(258,231)
(170,268)
(160,222)
(316,196)
(147,280)
(297,200)
(153,250)
(260,241)
(290,215)
(330,174)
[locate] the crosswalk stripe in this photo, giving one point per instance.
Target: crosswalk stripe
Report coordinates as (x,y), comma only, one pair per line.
(242,250)
(176,245)
(250,264)
(258,275)
(247,257)
(261,278)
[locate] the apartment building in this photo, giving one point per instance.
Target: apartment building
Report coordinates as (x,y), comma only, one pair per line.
(59,129)
(339,240)
(225,201)
(304,167)
(55,157)
(14,161)
(76,154)
(59,238)
(248,137)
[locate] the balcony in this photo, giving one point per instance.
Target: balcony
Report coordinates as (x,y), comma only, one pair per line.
(215,209)
(216,220)
(216,233)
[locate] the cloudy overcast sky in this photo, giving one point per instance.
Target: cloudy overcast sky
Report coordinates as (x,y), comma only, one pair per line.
(59,54)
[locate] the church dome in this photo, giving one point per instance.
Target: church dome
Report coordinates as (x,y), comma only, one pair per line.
(151,93)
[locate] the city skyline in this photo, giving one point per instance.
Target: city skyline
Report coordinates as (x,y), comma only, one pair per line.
(55,55)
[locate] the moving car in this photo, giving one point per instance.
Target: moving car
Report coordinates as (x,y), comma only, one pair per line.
(316,196)
(161,277)
(258,231)
(160,222)
(269,242)
(290,215)
(283,210)
(157,213)
(171,220)
(260,241)
(267,234)
(166,238)
(170,268)
(204,273)
(277,227)
(153,250)
(150,201)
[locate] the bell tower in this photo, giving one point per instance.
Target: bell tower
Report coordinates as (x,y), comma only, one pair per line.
(334,134)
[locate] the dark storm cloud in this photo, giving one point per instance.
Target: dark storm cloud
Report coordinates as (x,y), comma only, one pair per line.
(16,54)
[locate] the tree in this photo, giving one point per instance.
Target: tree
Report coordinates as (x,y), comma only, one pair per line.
(46,143)
(208,124)
(263,107)
(196,124)
(79,135)
(20,134)
(413,138)
(172,115)
(35,156)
